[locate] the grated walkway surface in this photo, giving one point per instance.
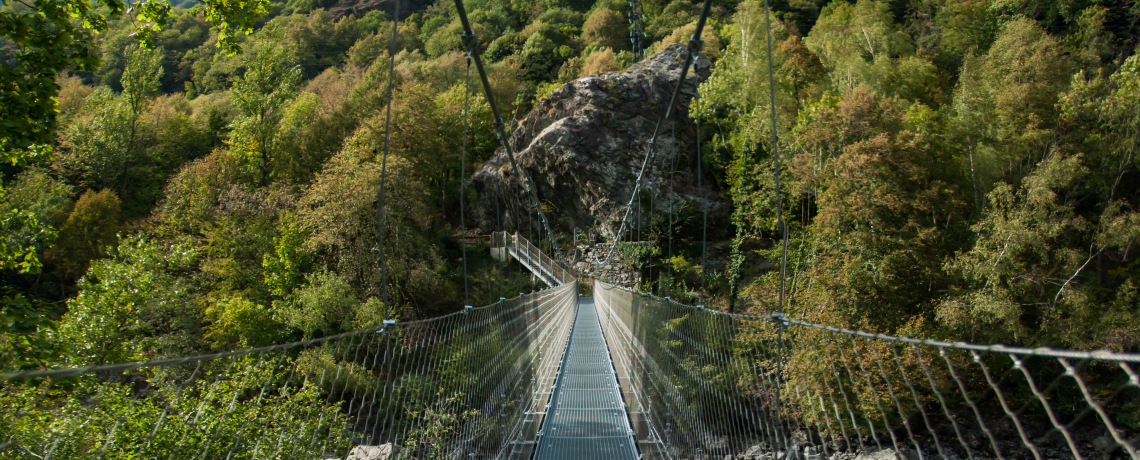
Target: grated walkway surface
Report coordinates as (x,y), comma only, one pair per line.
(587,419)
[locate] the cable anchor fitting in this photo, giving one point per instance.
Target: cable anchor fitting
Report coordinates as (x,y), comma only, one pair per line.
(779,320)
(386,324)
(469,42)
(695,45)
(500,127)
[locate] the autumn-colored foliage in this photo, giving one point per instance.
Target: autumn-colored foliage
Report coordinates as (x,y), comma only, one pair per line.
(88,232)
(959,170)
(606,28)
(600,62)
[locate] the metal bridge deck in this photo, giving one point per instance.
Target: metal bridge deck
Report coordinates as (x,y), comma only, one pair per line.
(587,418)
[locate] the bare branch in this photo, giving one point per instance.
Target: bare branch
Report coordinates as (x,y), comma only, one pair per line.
(1078,272)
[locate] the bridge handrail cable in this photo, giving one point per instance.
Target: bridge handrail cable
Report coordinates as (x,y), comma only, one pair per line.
(1103,355)
(360,388)
(716,373)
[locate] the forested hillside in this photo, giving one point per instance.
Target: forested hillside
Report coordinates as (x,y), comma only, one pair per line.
(962,170)
(957,169)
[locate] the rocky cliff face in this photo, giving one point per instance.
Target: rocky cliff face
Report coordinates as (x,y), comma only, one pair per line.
(583,147)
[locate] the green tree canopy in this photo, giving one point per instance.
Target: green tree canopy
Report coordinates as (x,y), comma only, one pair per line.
(261,95)
(51,36)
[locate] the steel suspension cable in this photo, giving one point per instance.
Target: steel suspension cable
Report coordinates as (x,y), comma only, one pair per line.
(353,363)
(472,45)
(389,357)
(652,241)
(640,218)
(649,150)
(635,35)
(463,181)
(368,423)
(518,230)
(503,256)
(781,226)
(672,204)
(384,160)
(529,237)
(700,188)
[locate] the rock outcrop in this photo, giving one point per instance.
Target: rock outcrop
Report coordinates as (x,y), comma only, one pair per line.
(618,270)
(381,452)
(584,145)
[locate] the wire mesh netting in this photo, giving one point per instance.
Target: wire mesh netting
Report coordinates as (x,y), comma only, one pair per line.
(466,383)
(708,384)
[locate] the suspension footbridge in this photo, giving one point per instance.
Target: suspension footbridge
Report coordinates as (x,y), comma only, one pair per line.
(615,374)
(619,375)
(587,417)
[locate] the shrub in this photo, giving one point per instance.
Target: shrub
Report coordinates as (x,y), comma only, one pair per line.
(606,28)
(600,62)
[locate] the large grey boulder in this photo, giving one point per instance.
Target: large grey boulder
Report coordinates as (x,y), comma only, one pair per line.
(881,454)
(381,452)
(888,454)
(584,145)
